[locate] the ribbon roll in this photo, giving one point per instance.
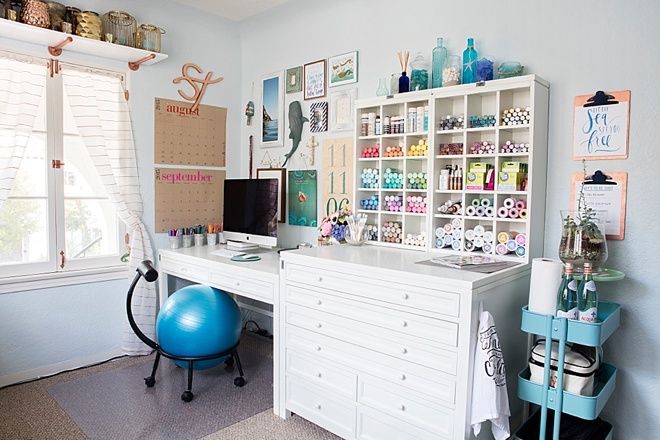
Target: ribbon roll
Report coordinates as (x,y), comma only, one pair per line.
(486,203)
(470,234)
(503,212)
(523,213)
(479,242)
(513,213)
(509,203)
(448,228)
(476,202)
(488,236)
(448,240)
(456,245)
(479,231)
(481,211)
(511,245)
(500,249)
(521,204)
(471,211)
(520,251)
(440,232)
(521,239)
(469,246)
(456,234)
(503,237)
(487,248)
(456,223)
(490,211)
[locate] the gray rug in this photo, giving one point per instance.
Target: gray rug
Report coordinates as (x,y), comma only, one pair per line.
(116,404)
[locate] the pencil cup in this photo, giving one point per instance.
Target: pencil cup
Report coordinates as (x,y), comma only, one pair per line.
(221,238)
(211,238)
(175,242)
(187,241)
(199,239)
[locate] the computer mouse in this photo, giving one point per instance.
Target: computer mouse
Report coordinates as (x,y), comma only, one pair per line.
(249,256)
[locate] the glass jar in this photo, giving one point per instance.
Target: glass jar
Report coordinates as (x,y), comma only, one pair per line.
(419,74)
(148,37)
(451,74)
(394,83)
(71,16)
(57,12)
(122,26)
(484,70)
(583,239)
(382,88)
(89,25)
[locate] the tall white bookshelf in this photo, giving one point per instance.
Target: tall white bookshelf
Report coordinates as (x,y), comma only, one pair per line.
(467,100)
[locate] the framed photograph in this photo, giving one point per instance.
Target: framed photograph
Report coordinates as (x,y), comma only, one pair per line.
(280,175)
(601,124)
(294,80)
(343,69)
(314,80)
(341,110)
(272,110)
(318,117)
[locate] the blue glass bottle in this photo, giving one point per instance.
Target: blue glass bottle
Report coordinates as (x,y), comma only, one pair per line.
(438,63)
(404,83)
(470,63)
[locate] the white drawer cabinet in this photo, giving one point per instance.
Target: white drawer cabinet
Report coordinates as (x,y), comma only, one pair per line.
(373,352)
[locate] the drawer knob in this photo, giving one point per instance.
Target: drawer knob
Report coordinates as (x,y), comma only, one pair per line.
(318,406)
(402,407)
(319,302)
(404,350)
(318,348)
(183,269)
(238,283)
(405,296)
(402,376)
(319,375)
(404,324)
(319,325)
(320,279)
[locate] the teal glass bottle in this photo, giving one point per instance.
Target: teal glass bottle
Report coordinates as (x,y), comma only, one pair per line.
(470,63)
(438,63)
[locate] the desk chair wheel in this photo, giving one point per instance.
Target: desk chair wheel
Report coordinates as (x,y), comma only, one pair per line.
(149,381)
(239,381)
(187,396)
(229,364)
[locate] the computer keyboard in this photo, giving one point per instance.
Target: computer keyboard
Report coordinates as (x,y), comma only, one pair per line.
(226,253)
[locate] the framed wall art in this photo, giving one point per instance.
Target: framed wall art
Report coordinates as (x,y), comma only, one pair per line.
(302,198)
(342,104)
(280,175)
(318,117)
(272,110)
(601,126)
(294,80)
(314,80)
(343,69)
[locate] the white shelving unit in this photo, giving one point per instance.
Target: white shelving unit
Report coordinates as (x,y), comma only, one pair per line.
(467,100)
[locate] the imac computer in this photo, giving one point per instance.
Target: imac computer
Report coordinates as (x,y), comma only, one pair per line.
(250,213)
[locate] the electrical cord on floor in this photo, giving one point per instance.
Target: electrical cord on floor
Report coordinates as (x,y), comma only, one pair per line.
(256,329)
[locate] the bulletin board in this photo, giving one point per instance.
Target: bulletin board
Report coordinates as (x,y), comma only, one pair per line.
(337,175)
(189,137)
(187,197)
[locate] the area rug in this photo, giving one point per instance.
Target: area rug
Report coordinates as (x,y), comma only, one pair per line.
(116,404)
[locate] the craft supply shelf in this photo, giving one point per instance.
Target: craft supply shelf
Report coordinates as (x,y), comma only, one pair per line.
(50,39)
(556,399)
(467,100)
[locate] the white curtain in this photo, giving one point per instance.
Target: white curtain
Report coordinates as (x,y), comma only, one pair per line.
(22,86)
(102,116)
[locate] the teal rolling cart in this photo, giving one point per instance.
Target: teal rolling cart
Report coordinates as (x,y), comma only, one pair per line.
(562,402)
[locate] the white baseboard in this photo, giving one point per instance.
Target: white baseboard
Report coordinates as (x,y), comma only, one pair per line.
(49,370)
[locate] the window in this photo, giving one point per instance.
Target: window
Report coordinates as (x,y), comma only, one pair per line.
(58,216)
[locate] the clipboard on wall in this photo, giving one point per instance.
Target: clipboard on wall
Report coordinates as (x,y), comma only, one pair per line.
(604,192)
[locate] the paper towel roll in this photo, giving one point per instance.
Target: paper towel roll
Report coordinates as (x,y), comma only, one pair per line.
(544,284)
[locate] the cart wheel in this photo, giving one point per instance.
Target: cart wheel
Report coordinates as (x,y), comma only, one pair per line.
(150,381)
(229,364)
(239,381)
(187,396)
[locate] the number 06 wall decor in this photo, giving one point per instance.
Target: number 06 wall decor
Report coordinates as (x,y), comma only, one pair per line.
(337,174)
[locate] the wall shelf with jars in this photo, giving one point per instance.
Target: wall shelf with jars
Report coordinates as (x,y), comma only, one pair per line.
(55,42)
(471,179)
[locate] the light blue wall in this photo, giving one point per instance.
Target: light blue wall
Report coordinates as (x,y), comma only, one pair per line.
(579,47)
(43,327)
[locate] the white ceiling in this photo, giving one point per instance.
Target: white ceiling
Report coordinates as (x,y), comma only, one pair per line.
(236,10)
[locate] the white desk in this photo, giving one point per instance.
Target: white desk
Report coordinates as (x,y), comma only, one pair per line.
(258,280)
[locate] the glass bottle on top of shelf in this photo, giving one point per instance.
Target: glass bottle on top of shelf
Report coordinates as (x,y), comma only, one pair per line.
(394,83)
(469,63)
(438,63)
(419,74)
(382,88)
(451,73)
(404,82)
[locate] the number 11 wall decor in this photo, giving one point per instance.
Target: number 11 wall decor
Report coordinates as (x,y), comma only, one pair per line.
(337,175)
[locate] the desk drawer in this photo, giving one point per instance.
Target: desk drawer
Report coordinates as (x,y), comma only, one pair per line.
(427,300)
(405,406)
(259,290)
(331,412)
(188,271)
(402,322)
(374,425)
(319,372)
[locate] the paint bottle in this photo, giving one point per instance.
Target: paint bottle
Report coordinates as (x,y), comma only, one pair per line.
(379,127)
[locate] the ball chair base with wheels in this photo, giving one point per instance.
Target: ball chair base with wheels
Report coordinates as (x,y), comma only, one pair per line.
(146,270)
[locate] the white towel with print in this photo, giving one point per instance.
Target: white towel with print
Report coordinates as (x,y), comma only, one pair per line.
(490,400)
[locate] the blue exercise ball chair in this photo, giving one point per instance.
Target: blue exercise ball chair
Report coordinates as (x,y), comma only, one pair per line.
(198,327)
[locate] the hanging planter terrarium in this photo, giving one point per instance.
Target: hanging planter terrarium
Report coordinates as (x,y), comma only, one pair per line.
(583,238)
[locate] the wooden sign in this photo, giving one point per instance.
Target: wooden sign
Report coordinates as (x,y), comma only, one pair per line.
(337,175)
(188,197)
(601,125)
(607,194)
(184,136)
(198,92)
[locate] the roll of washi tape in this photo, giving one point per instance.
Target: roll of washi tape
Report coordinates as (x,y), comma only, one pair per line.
(456,245)
(509,203)
(521,204)
(448,228)
(488,236)
(489,211)
(478,242)
(501,249)
(487,248)
(503,237)
(448,240)
(521,239)
(481,211)
(503,212)
(479,230)
(469,246)
(523,213)
(456,234)
(476,202)
(486,202)
(520,251)
(471,211)
(470,234)
(440,232)
(511,245)
(456,223)
(513,213)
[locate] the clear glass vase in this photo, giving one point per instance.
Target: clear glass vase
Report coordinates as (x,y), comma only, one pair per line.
(583,239)
(382,88)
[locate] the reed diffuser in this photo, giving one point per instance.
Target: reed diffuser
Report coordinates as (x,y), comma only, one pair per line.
(404,81)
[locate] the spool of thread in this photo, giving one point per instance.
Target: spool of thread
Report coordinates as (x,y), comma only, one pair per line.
(456,245)
(520,251)
(513,213)
(487,247)
(509,203)
(476,202)
(479,231)
(488,236)
(501,249)
(503,237)
(470,234)
(471,211)
(490,211)
(523,213)
(502,212)
(486,202)
(511,245)
(521,204)
(481,211)
(456,223)
(521,239)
